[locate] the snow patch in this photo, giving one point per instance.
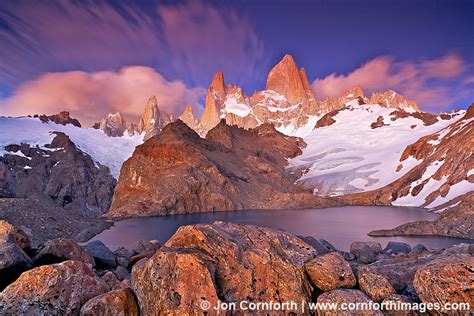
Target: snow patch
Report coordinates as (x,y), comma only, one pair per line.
(456,190)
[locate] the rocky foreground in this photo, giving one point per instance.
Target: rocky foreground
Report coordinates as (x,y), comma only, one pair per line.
(206,265)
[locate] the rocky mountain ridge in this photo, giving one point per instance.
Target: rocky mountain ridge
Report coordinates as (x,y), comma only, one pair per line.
(177,172)
(288,101)
(150,124)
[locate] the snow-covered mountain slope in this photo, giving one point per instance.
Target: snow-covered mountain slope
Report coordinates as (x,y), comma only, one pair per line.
(108,151)
(361,150)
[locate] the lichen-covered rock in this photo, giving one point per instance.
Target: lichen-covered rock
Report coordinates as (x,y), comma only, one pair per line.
(58,250)
(446,280)
(117,303)
(347,296)
(174,283)
(230,261)
(52,289)
(376,286)
(330,271)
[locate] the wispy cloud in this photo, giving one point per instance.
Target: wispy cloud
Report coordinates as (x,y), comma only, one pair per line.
(427,82)
(90,96)
(189,40)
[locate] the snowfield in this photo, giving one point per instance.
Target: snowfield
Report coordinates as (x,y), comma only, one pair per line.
(349,156)
(108,151)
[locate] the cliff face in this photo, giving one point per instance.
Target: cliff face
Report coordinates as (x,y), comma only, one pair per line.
(59,173)
(233,169)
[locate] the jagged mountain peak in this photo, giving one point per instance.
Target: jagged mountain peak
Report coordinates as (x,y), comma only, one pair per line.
(391,98)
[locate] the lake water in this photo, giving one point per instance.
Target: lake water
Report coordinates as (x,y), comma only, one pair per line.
(339,225)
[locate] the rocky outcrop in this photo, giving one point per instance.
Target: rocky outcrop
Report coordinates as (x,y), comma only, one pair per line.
(188,118)
(226,261)
(115,125)
(354,95)
(62,118)
(233,169)
(286,80)
(118,302)
(330,271)
(153,120)
(60,172)
(457,221)
(392,99)
(447,280)
(59,288)
(216,94)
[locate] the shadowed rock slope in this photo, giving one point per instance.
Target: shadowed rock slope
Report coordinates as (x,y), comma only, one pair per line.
(233,169)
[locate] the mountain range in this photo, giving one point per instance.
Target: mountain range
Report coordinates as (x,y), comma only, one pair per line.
(278,148)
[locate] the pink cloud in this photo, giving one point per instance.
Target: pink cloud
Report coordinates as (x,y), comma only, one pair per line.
(90,96)
(411,79)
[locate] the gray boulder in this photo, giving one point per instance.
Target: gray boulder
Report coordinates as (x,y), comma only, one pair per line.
(104,257)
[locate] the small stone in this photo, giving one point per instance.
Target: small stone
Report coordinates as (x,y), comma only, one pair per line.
(118,302)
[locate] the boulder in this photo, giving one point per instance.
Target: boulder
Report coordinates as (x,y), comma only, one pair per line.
(174,282)
(419,248)
(230,261)
(364,254)
(13,260)
(375,246)
(376,286)
(119,302)
(103,256)
(60,288)
(346,296)
(146,246)
(394,247)
(123,256)
(446,280)
(58,250)
(21,237)
(316,244)
(330,271)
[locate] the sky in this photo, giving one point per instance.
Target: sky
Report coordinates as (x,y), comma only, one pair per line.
(95,57)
